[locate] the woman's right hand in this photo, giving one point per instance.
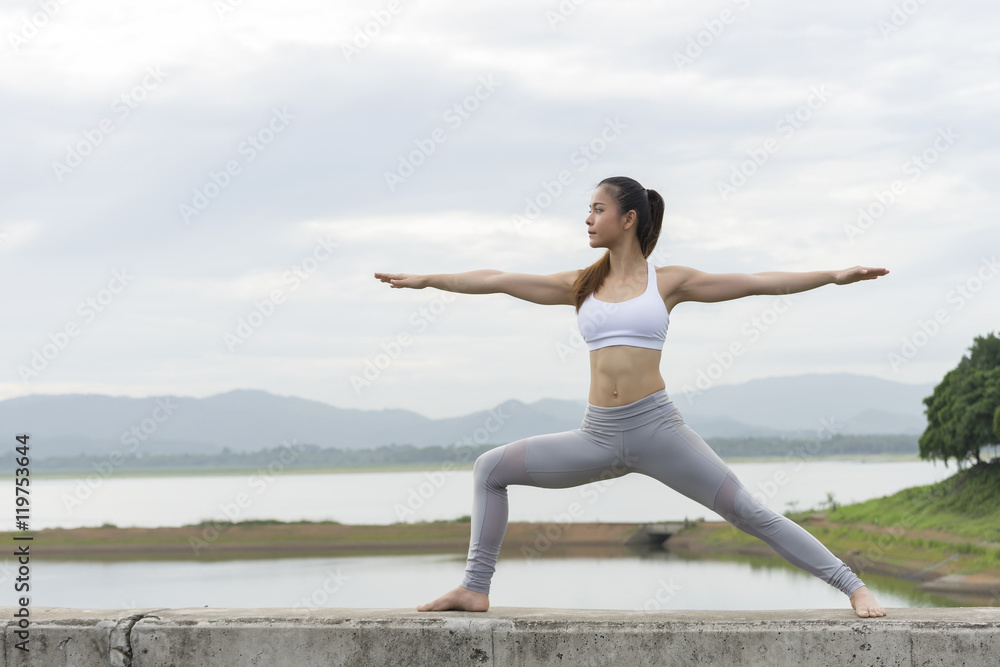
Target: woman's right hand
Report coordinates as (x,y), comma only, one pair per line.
(403,280)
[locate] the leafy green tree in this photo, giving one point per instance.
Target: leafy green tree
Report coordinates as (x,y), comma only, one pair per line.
(996,423)
(963,412)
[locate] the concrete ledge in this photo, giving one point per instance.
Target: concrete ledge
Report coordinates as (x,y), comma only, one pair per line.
(503,636)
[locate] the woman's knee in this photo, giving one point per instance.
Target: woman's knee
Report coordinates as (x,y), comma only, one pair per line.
(486,462)
(752,511)
(738,506)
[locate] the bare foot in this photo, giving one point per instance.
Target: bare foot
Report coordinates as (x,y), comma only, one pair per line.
(864,603)
(459,598)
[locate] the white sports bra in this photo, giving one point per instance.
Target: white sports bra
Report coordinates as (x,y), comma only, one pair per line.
(639,322)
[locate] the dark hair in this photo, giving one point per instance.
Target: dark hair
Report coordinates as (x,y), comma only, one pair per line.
(629,195)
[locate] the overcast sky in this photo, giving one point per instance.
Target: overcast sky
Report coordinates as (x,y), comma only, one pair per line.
(197,193)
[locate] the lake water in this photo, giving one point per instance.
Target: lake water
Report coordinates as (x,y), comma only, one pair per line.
(663,581)
(388,497)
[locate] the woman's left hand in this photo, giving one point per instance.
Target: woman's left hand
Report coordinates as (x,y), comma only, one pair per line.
(856,273)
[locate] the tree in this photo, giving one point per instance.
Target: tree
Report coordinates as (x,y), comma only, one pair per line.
(963,411)
(996,423)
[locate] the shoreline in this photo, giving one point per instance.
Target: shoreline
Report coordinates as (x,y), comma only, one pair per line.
(39,472)
(878,552)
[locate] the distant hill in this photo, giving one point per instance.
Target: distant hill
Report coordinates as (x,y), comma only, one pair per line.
(250,420)
(797,404)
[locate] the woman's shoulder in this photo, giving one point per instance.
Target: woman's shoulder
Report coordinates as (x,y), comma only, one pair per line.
(668,280)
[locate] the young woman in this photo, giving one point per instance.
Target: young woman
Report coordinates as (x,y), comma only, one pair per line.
(623,306)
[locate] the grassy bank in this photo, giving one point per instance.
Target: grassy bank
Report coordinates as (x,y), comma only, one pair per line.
(270,539)
(951,527)
(964,504)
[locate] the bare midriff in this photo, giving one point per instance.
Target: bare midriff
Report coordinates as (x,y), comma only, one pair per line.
(622,374)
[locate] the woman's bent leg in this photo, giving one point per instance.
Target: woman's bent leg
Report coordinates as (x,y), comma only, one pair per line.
(670,451)
(553,461)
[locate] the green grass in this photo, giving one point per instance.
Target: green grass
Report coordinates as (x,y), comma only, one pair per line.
(964,504)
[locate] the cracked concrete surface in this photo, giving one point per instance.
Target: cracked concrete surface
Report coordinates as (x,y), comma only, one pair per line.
(120,645)
(503,636)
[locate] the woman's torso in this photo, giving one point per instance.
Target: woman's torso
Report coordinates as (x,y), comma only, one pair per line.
(622,374)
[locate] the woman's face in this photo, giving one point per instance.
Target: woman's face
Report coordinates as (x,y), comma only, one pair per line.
(603,224)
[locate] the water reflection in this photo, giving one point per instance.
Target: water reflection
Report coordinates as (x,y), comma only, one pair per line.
(587,578)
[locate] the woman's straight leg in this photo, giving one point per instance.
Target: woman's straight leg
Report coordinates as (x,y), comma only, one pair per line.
(670,451)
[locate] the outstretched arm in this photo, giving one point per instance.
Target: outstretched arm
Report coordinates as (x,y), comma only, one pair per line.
(552,289)
(694,285)
(470,282)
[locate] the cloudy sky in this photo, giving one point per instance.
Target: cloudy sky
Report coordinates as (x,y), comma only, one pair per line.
(197,193)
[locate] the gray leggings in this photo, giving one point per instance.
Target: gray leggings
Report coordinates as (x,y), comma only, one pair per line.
(648,436)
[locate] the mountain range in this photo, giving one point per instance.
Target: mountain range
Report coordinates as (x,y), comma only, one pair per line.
(811,405)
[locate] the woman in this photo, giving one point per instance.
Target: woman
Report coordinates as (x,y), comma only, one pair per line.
(623,307)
